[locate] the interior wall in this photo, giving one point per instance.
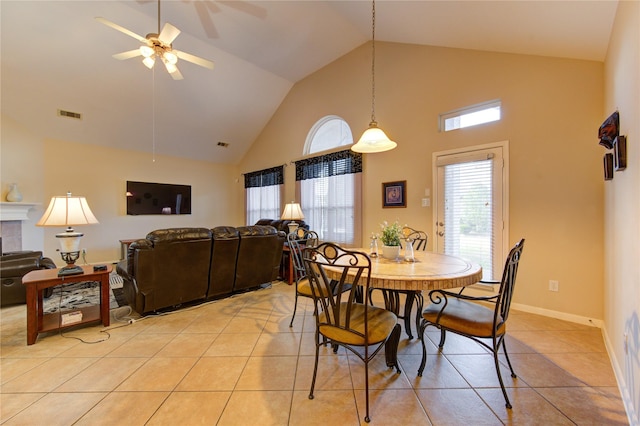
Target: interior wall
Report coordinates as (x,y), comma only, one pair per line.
(551,111)
(16,142)
(100,174)
(622,208)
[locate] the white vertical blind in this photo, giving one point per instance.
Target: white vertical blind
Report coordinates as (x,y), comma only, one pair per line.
(262,194)
(328,206)
(469,212)
(263,202)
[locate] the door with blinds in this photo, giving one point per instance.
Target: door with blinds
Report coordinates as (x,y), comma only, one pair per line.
(471,190)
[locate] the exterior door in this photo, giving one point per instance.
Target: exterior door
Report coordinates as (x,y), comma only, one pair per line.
(471,205)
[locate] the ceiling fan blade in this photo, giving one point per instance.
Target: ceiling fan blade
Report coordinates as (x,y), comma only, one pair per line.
(176,75)
(127,55)
(168,34)
(121,29)
(194,59)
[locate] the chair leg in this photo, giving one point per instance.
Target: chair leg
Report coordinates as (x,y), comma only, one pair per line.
(443,336)
(423,362)
(504,348)
(315,367)
(496,346)
(366,389)
(295,307)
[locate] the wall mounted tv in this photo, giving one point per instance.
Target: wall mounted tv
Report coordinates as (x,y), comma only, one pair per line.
(158,198)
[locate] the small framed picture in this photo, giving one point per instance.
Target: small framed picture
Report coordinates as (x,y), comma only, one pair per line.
(619,153)
(394,194)
(608,166)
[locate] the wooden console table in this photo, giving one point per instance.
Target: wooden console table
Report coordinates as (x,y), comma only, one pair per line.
(39,280)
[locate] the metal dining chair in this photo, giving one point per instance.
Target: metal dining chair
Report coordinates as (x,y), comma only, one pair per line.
(419,241)
(297,240)
(469,316)
(342,320)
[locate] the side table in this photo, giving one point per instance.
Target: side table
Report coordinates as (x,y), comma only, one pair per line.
(37,281)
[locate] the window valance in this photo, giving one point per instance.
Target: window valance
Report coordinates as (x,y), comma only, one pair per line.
(332,164)
(266,177)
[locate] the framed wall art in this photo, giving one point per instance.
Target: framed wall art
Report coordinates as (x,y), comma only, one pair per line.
(620,153)
(394,194)
(608,166)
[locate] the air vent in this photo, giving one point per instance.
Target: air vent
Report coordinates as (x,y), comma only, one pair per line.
(223,144)
(69,114)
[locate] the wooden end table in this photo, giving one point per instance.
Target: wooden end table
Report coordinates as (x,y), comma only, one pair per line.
(39,280)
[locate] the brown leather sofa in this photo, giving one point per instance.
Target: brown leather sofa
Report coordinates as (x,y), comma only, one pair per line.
(281,225)
(14,266)
(172,267)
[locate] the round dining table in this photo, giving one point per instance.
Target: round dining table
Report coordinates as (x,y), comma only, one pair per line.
(429,271)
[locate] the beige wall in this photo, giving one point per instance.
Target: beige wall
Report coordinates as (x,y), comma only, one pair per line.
(622,208)
(551,111)
(52,167)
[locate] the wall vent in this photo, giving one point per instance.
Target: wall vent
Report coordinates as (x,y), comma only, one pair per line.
(69,114)
(223,144)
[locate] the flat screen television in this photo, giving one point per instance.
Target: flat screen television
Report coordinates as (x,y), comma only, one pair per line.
(158,198)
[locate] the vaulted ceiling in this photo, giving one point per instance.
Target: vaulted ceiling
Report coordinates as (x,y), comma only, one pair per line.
(55,55)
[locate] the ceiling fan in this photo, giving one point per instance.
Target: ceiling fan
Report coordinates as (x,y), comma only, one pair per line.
(157,46)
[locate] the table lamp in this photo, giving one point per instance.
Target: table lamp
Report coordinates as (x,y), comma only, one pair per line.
(68,211)
(292,211)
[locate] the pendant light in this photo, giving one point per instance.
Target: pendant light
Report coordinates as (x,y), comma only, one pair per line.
(373,139)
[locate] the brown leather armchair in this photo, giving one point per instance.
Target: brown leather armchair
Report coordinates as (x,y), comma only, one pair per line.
(14,266)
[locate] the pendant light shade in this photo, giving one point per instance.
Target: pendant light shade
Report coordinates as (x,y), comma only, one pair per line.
(374,139)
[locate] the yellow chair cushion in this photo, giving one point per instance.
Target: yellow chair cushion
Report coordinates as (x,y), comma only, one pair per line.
(381,323)
(304,289)
(466,317)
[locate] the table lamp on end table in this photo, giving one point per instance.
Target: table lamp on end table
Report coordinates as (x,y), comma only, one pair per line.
(68,211)
(292,211)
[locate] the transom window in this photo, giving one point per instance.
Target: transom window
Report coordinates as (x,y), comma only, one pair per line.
(473,115)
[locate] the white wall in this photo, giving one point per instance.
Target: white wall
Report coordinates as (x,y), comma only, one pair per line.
(46,167)
(622,208)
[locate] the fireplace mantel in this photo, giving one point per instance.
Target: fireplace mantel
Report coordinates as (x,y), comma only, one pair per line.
(15,211)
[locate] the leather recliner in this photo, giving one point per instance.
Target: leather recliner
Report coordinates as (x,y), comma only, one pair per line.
(259,255)
(171,267)
(224,256)
(14,266)
(168,268)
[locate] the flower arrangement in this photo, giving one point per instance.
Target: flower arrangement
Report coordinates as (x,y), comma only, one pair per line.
(391,233)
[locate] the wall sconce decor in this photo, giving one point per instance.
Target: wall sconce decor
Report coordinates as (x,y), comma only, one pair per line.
(620,153)
(608,166)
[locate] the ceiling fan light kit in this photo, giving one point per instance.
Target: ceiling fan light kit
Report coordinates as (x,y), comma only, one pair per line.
(157,45)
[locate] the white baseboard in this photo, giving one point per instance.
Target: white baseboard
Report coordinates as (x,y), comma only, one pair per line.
(558,315)
(627,401)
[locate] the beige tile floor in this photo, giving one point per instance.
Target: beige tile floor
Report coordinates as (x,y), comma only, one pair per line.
(237,362)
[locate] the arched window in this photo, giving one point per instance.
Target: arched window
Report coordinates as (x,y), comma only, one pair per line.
(328,133)
(329,186)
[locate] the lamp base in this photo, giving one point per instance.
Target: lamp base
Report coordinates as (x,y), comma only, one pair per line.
(70,270)
(293,226)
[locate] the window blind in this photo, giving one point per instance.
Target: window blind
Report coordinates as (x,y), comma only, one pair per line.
(469,211)
(262,192)
(328,187)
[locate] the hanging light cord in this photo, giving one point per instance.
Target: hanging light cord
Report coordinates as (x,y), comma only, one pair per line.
(373,63)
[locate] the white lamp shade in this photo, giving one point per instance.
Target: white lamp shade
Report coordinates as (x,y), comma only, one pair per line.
(292,211)
(148,62)
(67,211)
(373,140)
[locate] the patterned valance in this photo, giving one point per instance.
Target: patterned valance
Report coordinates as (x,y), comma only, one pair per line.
(333,164)
(266,177)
